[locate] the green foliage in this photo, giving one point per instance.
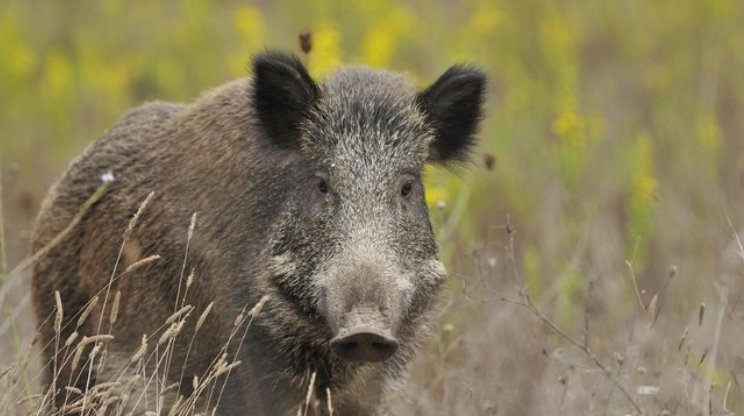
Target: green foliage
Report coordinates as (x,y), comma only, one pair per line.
(580,90)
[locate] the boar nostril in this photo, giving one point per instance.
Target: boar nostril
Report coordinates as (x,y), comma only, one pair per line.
(364,345)
(346,349)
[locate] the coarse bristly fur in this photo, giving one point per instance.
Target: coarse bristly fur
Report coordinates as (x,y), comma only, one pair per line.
(310,193)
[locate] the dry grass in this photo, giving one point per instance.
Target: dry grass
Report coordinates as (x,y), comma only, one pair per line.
(498,350)
(501,352)
(139,385)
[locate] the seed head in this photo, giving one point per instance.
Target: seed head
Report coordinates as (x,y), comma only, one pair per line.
(306,40)
(190,279)
(673,272)
(83,316)
(651,309)
(683,339)
(76,358)
(141,351)
(203,316)
(71,339)
(115,308)
(178,314)
(59,314)
(171,332)
(489,160)
(192,226)
(701,314)
(142,262)
(135,218)
(257,309)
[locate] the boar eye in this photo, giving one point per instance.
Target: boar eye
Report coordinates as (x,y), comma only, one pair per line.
(322,185)
(406,189)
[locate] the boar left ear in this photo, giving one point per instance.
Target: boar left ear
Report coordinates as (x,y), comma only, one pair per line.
(283,96)
(453,107)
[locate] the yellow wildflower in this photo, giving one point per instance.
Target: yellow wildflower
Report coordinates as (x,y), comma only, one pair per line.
(709,132)
(485,19)
(326,54)
(570,127)
(645,185)
(58,73)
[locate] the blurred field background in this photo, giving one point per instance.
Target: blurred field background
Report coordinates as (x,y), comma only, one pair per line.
(603,206)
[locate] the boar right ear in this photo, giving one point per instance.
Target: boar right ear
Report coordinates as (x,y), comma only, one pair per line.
(453,107)
(283,96)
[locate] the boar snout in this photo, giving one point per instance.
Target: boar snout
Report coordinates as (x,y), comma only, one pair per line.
(365,335)
(364,344)
(362,300)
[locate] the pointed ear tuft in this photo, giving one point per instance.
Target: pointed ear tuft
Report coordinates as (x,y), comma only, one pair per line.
(283,96)
(453,107)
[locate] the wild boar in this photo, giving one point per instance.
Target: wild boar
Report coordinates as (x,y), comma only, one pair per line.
(308,193)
